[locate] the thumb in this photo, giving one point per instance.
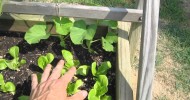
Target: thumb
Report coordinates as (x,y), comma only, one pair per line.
(81,95)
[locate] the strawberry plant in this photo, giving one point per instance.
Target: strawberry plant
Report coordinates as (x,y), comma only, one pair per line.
(6,86)
(14,63)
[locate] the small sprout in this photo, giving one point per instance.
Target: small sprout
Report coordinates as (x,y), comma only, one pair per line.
(74,87)
(83,70)
(44,60)
(23,97)
(102,69)
(7,87)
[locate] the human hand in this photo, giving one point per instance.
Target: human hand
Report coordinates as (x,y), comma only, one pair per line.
(54,86)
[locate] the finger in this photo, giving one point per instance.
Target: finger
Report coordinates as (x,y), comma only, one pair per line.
(34,81)
(46,73)
(67,77)
(81,95)
(56,73)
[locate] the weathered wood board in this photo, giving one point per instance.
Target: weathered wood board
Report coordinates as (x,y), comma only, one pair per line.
(69,10)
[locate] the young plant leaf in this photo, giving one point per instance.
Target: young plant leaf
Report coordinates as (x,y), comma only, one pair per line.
(36,33)
(73,87)
(23,97)
(110,23)
(107,46)
(10,87)
(50,57)
(101,85)
(3,64)
(13,64)
(91,32)
(23,61)
(2,82)
(63,44)
(14,51)
(92,95)
(63,25)
(111,37)
(42,62)
(106,97)
(103,68)
(67,55)
(93,68)
(83,70)
(78,32)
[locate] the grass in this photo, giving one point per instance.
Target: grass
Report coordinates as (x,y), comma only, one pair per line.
(177,31)
(109,3)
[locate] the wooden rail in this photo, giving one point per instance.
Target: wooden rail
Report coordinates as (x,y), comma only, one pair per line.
(69,10)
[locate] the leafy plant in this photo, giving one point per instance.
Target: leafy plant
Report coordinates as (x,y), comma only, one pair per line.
(7,87)
(99,90)
(73,87)
(44,60)
(36,33)
(13,64)
(102,69)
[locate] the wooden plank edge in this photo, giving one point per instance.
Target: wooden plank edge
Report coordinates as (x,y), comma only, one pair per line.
(123,73)
(81,11)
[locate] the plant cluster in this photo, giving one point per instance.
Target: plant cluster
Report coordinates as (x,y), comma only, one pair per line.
(14,63)
(79,32)
(6,86)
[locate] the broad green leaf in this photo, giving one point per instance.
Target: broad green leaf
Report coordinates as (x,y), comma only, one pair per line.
(101,85)
(109,23)
(67,55)
(50,57)
(111,37)
(63,71)
(106,97)
(78,31)
(92,95)
(42,62)
(91,32)
(83,70)
(93,68)
(103,80)
(23,61)
(63,25)
(3,64)
(14,51)
(107,46)
(9,86)
(23,97)
(73,87)
(36,33)
(103,68)
(13,64)
(2,82)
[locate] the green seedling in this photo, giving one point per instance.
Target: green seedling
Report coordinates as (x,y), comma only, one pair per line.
(37,33)
(99,90)
(44,60)
(7,87)
(74,87)
(102,69)
(15,63)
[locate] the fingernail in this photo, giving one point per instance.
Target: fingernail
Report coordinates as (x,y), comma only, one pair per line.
(84,93)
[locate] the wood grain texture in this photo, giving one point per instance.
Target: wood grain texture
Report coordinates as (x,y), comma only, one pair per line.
(148,49)
(123,74)
(135,33)
(61,9)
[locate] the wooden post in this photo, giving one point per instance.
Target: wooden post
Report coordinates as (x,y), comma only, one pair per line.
(123,72)
(135,33)
(148,49)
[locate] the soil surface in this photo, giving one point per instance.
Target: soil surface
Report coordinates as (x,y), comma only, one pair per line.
(31,53)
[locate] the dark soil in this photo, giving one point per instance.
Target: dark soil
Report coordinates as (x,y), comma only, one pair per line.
(32,52)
